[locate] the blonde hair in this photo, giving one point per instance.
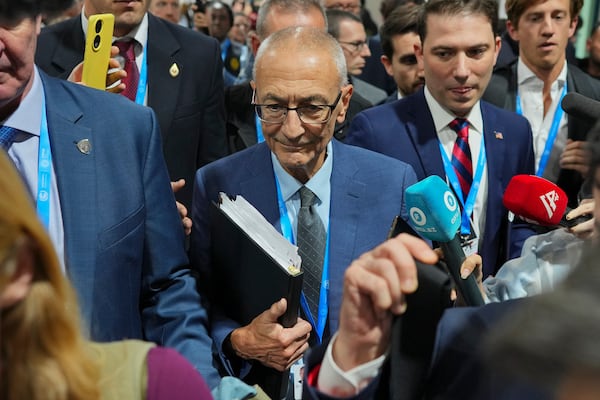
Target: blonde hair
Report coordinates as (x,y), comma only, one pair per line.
(42,350)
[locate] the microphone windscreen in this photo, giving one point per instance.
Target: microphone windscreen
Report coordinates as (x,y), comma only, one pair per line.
(433,209)
(535,198)
(580,106)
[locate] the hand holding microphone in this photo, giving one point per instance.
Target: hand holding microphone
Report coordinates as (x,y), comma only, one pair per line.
(435,213)
(539,201)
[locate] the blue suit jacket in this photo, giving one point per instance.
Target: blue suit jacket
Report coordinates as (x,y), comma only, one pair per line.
(405,130)
(123,236)
(367,192)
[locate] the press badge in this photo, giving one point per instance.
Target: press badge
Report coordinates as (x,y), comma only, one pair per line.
(297,377)
(470,244)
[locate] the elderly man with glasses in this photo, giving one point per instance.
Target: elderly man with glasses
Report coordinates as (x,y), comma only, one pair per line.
(300,91)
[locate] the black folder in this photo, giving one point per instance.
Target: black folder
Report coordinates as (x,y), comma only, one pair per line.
(246,281)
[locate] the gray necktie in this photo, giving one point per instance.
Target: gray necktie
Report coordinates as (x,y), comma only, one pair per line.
(311,246)
(7,135)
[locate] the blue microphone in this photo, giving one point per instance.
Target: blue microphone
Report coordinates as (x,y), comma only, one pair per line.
(434,212)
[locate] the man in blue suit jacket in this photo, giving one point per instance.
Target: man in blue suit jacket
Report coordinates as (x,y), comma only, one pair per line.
(415,128)
(109,209)
(360,192)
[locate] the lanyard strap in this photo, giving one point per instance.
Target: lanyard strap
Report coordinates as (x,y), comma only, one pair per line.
(141,90)
(288,233)
(44,170)
(224,47)
(468,203)
(259,133)
(558,113)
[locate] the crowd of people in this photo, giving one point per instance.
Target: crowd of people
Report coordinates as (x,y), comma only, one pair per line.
(108,255)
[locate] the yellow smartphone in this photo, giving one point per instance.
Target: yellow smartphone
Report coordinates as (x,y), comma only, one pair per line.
(97,50)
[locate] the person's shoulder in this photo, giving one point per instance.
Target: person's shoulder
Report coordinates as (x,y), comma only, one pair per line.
(61,27)
(584,83)
(367,160)
(188,38)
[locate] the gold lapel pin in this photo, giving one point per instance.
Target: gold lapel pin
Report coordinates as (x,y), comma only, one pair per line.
(174,70)
(498,135)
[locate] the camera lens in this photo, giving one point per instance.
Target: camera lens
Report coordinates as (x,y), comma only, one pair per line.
(96,42)
(98,26)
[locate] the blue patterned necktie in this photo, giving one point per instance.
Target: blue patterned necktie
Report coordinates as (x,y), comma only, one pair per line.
(461,155)
(311,247)
(7,135)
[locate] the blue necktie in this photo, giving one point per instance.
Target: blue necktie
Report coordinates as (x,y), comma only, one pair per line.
(7,135)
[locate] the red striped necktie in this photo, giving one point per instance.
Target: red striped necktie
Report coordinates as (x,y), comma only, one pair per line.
(126,50)
(461,155)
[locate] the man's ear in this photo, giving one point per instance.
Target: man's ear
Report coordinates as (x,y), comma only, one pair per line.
(387,64)
(512,30)
(20,281)
(345,100)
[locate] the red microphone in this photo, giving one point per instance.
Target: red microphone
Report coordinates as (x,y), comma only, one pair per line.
(535,199)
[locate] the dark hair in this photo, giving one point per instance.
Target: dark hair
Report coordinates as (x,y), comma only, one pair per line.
(516,8)
(400,21)
(387,6)
(219,4)
(13,9)
(488,8)
(334,19)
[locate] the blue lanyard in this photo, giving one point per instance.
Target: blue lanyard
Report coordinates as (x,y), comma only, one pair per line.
(469,204)
(44,170)
(224,47)
(141,90)
(551,135)
(259,133)
(286,229)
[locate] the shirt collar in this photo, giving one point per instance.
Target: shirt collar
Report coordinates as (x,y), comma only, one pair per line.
(442,117)
(139,33)
(318,184)
(524,74)
(28,115)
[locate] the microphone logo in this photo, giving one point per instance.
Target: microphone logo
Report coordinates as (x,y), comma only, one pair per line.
(417,216)
(549,201)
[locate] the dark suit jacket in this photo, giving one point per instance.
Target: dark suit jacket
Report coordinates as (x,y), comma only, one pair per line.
(241,122)
(502,91)
(458,368)
(124,243)
(189,106)
(360,215)
(405,130)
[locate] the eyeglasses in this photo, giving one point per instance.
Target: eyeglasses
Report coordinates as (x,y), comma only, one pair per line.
(310,114)
(356,46)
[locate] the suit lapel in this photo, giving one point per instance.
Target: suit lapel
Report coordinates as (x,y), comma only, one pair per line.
(76,177)
(163,88)
(422,133)
(259,186)
(346,208)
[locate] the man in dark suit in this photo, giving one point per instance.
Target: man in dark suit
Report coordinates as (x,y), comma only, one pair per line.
(243,127)
(300,92)
(533,86)
(418,129)
(94,165)
(184,80)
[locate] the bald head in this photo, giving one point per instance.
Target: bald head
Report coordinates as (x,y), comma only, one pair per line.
(302,42)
